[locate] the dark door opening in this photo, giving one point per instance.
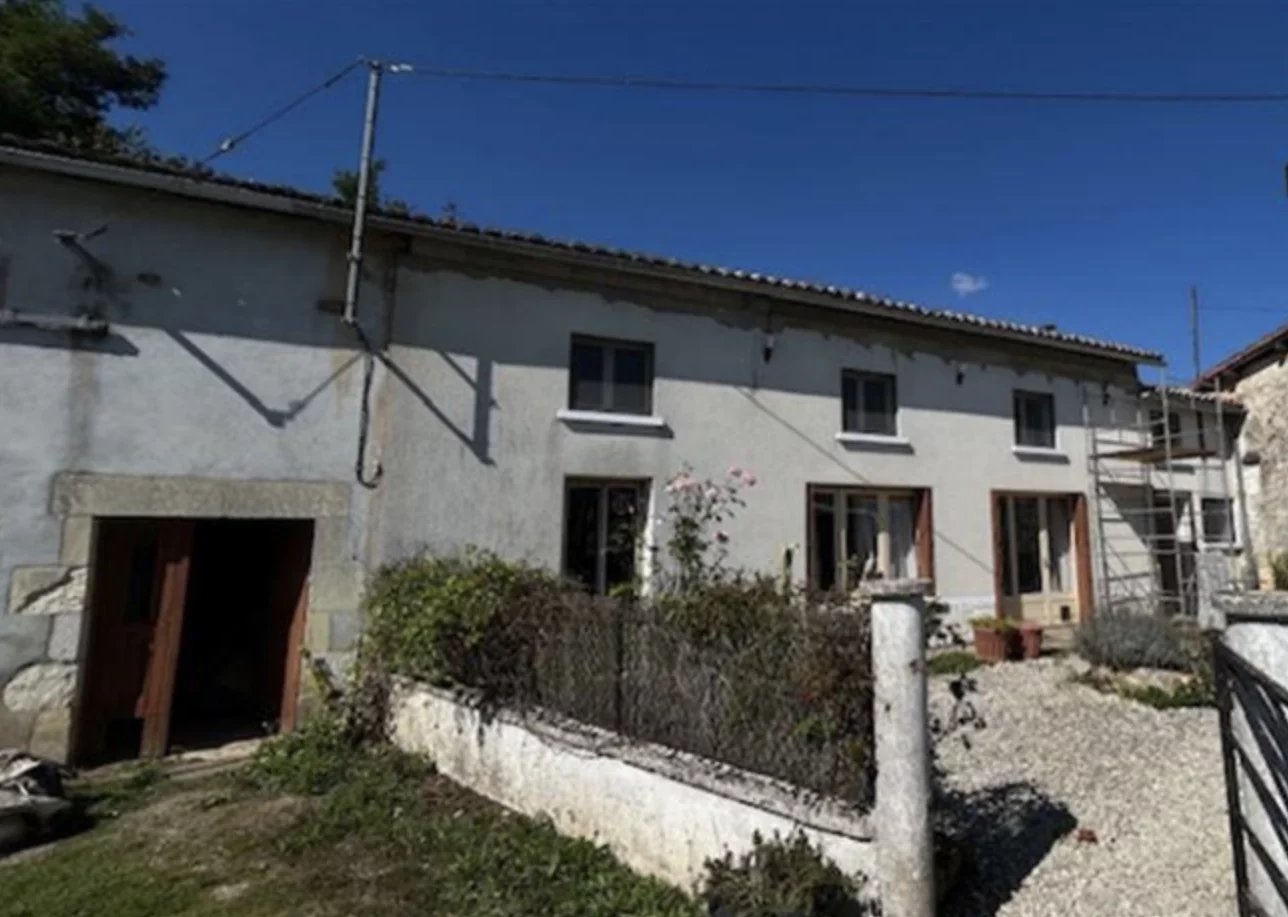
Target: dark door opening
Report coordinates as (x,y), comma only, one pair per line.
(244,590)
(194,634)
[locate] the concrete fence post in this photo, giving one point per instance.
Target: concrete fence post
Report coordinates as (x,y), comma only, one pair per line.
(905,844)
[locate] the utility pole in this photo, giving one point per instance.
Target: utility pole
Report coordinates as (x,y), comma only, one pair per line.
(354,279)
(374,70)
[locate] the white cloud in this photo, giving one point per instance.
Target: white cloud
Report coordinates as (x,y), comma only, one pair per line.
(964,284)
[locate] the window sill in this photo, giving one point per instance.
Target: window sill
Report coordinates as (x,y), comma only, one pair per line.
(874,440)
(1040,453)
(610,419)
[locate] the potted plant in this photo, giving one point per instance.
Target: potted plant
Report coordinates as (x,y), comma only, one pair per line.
(993,638)
(1030,639)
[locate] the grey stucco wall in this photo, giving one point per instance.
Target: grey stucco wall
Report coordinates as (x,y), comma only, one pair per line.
(476,455)
(219,368)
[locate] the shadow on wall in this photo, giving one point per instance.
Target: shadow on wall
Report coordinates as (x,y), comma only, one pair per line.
(275,417)
(476,441)
(111,344)
(1008,830)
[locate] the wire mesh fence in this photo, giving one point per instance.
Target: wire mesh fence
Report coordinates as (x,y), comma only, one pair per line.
(736,669)
(788,695)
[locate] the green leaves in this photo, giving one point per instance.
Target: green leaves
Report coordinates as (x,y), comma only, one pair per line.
(59,79)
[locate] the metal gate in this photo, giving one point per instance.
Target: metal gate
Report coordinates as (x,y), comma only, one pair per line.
(1254,744)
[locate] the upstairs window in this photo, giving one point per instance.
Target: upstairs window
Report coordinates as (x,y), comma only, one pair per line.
(610,376)
(1218,520)
(868,403)
(1035,420)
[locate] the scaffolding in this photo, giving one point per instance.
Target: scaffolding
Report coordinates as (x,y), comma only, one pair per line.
(1148,530)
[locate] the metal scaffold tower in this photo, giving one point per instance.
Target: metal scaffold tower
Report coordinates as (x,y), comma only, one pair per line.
(1148,532)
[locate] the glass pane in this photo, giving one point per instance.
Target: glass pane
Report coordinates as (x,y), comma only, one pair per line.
(862,523)
(1034,420)
(631,381)
(849,403)
(623,527)
(878,405)
(1004,538)
(586,374)
(1058,520)
(1028,555)
(1217,521)
(822,530)
(903,543)
(581,535)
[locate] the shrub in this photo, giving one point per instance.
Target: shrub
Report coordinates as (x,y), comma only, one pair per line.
(736,669)
(1123,641)
(989,622)
(781,878)
(310,761)
(952,662)
(1196,693)
(467,620)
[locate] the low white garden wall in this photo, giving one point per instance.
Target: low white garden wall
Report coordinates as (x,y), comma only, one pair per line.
(661,811)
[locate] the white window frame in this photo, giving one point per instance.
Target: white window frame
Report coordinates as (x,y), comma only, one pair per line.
(1232,539)
(859,377)
(606,408)
(1017,424)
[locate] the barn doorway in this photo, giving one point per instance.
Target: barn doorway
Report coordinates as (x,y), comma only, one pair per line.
(195,629)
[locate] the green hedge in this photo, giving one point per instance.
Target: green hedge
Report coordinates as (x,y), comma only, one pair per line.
(736,670)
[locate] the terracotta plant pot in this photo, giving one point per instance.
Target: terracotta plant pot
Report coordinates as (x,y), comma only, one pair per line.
(992,643)
(1030,641)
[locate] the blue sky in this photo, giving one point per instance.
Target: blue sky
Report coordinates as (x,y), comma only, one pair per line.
(1096,218)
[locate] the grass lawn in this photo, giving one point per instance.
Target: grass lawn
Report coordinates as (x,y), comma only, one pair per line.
(375,834)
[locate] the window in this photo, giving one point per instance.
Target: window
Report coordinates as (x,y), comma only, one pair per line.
(868,403)
(861,534)
(602,524)
(1218,520)
(1156,427)
(611,376)
(1035,420)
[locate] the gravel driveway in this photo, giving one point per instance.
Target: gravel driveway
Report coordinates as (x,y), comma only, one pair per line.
(1056,757)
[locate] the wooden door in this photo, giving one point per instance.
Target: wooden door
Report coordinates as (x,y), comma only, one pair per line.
(288,609)
(1036,557)
(140,580)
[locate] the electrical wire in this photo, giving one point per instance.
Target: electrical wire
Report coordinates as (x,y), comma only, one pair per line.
(824,89)
(229,143)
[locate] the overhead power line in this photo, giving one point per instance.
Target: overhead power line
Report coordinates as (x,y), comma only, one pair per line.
(873,92)
(229,143)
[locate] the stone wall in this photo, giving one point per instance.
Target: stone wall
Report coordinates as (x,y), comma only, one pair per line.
(1264,445)
(42,638)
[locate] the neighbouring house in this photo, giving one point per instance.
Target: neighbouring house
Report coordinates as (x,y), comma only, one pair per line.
(1258,378)
(201,461)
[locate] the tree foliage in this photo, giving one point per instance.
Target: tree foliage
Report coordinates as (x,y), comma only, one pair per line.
(59,77)
(345,184)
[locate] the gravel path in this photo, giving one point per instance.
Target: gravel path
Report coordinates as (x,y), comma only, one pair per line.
(1056,757)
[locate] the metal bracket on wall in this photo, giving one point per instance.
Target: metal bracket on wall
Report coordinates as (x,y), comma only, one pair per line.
(76,324)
